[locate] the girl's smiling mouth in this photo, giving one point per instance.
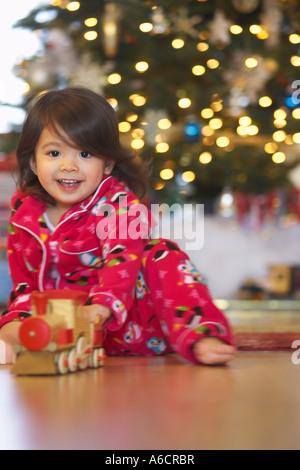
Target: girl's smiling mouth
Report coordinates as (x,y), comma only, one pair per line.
(69,184)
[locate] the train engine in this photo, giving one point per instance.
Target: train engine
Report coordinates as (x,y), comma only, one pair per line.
(57,339)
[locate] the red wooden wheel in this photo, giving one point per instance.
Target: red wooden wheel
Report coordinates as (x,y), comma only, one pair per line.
(35,334)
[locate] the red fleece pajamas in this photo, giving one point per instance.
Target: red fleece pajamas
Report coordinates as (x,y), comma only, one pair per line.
(159,301)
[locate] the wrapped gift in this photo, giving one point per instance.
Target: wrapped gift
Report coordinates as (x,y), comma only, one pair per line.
(281,280)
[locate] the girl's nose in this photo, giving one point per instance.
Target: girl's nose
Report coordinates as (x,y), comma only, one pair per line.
(68,164)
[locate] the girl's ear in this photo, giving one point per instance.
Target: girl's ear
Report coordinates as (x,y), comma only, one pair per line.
(109,166)
(33,165)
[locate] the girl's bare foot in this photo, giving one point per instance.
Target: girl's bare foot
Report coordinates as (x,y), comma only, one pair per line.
(6,353)
(212,351)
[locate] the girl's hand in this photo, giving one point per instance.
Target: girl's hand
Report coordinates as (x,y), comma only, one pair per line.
(212,351)
(96,313)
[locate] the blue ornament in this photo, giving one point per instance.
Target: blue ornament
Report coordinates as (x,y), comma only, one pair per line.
(292,101)
(192,131)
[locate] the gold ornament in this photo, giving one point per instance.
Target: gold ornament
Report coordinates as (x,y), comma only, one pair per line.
(246,6)
(111,29)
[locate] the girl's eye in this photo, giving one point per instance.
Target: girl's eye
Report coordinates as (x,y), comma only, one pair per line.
(85,154)
(54,153)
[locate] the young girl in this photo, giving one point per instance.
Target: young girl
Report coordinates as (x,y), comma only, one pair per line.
(69,229)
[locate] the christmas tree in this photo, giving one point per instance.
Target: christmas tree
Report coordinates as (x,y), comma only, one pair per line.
(207,89)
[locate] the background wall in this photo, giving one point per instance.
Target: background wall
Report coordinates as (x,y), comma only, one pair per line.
(231,255)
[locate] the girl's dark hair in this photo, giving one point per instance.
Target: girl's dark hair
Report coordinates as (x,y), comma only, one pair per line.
(90,123)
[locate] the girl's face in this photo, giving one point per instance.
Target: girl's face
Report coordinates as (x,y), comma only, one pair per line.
(68,174)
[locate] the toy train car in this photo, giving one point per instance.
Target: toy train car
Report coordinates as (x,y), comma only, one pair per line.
(57,339)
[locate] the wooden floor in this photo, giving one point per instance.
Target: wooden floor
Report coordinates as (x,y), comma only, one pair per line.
(156,404)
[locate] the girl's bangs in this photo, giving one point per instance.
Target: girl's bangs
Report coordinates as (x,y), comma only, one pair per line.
(73,133)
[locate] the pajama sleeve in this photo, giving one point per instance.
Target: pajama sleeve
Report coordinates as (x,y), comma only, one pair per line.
(123,228)
(18,303)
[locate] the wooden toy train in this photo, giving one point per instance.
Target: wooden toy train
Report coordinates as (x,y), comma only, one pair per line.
(57,339)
